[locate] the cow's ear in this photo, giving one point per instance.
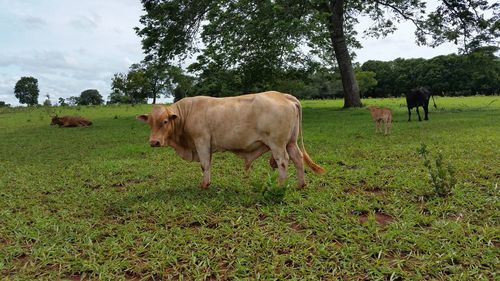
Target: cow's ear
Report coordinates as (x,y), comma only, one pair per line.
(142,118)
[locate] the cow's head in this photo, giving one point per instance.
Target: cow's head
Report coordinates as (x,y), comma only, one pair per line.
(160,121)
(55,120)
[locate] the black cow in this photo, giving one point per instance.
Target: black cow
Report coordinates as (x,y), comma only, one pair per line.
(419,97)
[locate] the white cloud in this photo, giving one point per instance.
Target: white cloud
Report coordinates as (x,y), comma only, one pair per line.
(86,21)
(33,22)
(68,46)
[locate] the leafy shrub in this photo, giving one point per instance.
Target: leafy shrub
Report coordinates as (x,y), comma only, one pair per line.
(442,176)
(272,192)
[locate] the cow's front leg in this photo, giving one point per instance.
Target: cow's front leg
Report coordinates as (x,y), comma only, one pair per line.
(418,113)
(426,111)
(205,157)
(409,114)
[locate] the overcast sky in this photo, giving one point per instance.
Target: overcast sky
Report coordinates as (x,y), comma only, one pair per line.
(71,46)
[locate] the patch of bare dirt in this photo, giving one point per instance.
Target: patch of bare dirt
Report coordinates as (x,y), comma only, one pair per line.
(375,191)
(73,278)
(132,276)
(380,218)
(296,226)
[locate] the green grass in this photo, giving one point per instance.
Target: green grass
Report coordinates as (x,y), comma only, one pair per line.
(98,203)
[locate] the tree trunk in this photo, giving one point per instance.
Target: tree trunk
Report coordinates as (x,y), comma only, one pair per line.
(336,28)
(155,91)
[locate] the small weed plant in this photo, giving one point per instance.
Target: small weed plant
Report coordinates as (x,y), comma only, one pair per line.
(272,192)
(442,176)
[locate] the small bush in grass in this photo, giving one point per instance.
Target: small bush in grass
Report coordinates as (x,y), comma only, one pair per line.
(442,176)
(271,191)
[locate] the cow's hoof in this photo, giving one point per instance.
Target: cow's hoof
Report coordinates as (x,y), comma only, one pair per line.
(204,186)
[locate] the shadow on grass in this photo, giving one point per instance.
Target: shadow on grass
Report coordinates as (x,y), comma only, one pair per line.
(213,199)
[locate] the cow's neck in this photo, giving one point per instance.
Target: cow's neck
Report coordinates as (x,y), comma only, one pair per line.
(179,140)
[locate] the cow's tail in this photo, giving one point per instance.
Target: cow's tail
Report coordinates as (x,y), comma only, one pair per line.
(315,167)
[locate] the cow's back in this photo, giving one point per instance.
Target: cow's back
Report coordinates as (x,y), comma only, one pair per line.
(240,123)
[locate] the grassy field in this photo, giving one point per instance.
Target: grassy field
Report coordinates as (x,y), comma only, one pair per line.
(99,204)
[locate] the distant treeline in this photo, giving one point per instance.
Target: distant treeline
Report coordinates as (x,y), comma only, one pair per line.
(476,73)
(450,75)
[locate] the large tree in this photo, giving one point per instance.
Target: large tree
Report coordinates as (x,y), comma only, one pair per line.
(90,97)
(260,38)
(26,91)
(131,87)
(150,79)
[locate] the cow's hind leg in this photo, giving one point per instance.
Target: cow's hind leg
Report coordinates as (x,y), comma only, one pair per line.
(409,114)
(418,113)
(281,157)
(296,156)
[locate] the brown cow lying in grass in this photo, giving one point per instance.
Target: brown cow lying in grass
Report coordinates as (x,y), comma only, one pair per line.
(70,121)
(379,115)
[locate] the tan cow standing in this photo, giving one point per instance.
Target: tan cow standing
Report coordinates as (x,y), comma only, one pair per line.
(247,125)
(379,115)
(70,121)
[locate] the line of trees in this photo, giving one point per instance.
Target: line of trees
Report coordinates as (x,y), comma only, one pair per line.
(26,91)
(475,73)
(449,75)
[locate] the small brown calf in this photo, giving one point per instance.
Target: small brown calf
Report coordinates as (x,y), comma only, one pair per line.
(380,114)
(70,121)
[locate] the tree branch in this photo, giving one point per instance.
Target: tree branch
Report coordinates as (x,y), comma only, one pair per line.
(415,22)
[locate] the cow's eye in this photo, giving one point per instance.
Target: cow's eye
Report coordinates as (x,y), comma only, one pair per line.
(165,121)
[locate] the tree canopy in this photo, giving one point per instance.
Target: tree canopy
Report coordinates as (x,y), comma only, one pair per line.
(26,91)
(90,97)
(260,42)
(150,79)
